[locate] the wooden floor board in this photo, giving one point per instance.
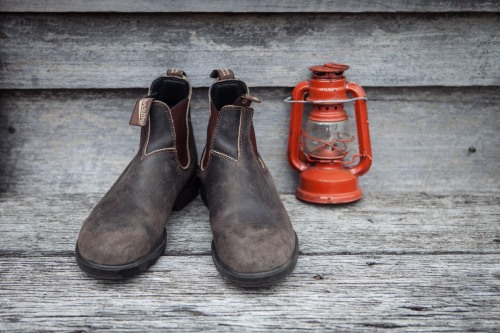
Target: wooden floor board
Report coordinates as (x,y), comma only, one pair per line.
(379,224)
(438,293)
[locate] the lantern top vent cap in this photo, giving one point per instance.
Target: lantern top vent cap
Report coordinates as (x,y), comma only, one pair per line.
(328,71)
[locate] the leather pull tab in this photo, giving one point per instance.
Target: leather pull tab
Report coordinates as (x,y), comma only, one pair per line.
(246,100)
(176,72)
(141,111)
(222,74)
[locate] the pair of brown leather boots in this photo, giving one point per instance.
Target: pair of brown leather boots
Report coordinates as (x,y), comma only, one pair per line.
(253,244)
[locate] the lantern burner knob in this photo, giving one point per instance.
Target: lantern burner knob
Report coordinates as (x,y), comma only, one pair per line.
(329,71)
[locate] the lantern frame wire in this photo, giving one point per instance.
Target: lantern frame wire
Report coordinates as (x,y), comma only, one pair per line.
(326,101)
(331,144)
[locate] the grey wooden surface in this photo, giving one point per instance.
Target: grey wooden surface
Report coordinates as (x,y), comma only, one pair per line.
(358,293)
(401,261)
(238,6)
(382,223)
(78,142)
(419,253)
(127,50)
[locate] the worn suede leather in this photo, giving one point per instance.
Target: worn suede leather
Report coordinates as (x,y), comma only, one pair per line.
(251,230)
(130,219)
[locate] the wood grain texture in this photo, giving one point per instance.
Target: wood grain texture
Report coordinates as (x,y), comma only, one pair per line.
(238,6)
(80,141)
(414,293)
(419,253)
(73,51)
(48,225)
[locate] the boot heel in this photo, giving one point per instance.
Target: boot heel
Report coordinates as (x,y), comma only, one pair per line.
(188,193)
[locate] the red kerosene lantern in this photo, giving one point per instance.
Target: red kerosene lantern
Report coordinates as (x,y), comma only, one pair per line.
(320,150)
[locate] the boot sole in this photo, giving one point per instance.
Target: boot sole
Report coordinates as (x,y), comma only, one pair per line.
(256,280)
(115,272)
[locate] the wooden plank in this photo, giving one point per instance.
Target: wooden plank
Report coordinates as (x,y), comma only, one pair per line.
(127,51)
(238,6)
(80,141)
(424,293)
(381,223)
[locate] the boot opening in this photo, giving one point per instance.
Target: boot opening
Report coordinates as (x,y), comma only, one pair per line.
(169,90)
(227,92)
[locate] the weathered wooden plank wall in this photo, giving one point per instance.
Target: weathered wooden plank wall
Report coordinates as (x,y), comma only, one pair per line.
(420,136)
(80,141)
(254,6)
(127,51)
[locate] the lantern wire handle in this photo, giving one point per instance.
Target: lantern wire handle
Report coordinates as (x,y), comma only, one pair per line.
(331,101)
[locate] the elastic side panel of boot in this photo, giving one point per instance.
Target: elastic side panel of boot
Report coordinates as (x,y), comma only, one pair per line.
(170,90)
(226,92)
(226,141)
(160,136)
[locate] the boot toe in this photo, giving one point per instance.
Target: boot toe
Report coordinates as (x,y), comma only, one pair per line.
(114,247)
(254,248)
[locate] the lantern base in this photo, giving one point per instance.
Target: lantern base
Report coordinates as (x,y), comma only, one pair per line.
(327,185)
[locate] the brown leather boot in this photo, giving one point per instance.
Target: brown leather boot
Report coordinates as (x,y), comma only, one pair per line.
(254,243)
(125,233)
